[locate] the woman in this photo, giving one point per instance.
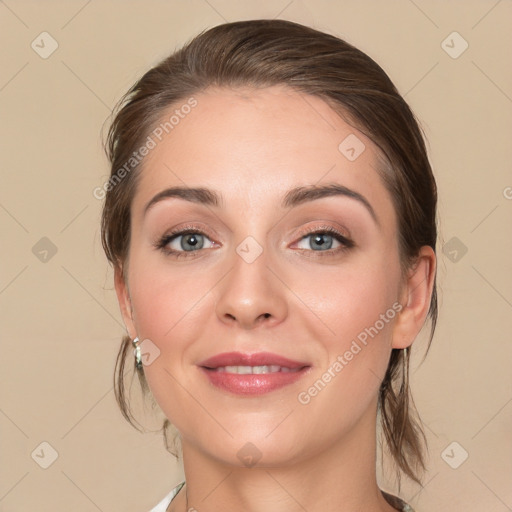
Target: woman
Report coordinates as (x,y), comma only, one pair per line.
(271,220)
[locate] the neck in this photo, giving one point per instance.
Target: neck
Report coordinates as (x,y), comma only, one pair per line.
(338,477)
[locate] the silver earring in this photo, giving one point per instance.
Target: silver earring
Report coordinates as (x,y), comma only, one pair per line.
(137,354)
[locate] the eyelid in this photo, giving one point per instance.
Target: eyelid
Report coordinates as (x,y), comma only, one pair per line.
(323,227)
(184,229)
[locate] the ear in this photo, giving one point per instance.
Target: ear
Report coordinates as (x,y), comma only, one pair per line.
(415,299)
(125,305)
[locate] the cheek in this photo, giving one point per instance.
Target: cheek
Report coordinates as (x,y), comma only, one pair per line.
(355,309)
(169,310)
(166,300)
(352,297)
(360,313)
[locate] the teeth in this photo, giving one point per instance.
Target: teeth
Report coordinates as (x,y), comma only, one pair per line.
(244,370)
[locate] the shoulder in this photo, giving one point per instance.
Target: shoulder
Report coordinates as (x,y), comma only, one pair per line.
(162,505)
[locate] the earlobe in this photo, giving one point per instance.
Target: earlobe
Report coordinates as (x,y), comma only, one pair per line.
(415,299)
(123,297)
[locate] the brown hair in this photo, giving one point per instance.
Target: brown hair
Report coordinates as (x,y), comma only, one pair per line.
(262,53)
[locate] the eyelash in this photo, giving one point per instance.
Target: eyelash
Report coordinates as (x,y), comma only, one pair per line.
(347,244)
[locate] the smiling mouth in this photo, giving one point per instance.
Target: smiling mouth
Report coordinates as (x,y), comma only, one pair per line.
(253,380)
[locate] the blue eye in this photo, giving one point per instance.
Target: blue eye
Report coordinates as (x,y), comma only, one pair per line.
(320,240)
(190,240)
(182,242)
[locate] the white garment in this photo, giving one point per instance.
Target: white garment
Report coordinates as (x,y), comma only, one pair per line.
(162,506)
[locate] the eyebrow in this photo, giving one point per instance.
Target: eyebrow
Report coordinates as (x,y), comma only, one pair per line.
(292,198)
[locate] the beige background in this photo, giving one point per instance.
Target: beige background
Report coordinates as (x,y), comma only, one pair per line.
(60,324)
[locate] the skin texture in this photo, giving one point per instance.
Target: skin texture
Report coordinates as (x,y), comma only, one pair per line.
(252,146)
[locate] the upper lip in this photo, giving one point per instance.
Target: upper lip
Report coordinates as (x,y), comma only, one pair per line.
(257,359)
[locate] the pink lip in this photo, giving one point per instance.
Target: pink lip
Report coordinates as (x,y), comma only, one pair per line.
(252,384)
(257,359)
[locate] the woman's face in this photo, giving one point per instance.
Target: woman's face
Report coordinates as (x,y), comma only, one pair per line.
(254,279)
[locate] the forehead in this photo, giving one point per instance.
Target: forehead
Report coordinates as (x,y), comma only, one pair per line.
(255,143)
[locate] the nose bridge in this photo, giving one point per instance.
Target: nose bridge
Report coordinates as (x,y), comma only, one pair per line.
(251,293)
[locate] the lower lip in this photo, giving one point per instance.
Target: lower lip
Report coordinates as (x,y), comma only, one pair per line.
(253,384)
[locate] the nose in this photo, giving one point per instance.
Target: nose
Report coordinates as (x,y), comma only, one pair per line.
(251,294)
